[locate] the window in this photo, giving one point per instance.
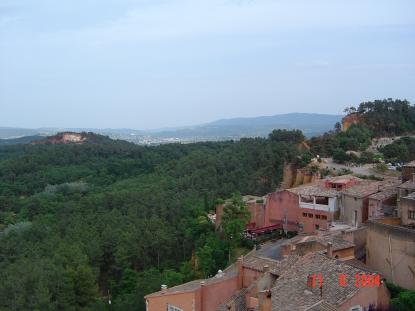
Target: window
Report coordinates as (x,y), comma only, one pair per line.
(310,215)
(322,200)
(336,186)
(411,214)
(356,308)
(307,199)
(173,308)
(318,216)
(304,214)
(395,213)
(324,217)
(317,227)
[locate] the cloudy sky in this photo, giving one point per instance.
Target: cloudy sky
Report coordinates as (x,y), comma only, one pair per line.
(159,63)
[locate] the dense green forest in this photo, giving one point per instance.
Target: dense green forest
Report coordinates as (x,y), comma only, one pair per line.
(82,224)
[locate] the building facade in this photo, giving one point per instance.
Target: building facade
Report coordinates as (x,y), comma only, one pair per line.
(390,249)
(277,277)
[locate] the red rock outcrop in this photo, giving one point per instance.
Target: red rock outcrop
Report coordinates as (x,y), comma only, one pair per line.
(350,119)
(62,138)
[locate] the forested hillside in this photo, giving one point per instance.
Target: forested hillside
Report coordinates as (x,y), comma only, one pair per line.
(386,117)
(81,224)
(371,119)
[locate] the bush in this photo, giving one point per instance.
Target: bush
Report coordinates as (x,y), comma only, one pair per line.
(381,167)
(404,302)
(340,156)
(401,298)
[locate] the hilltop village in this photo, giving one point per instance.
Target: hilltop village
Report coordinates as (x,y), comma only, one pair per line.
(353,234)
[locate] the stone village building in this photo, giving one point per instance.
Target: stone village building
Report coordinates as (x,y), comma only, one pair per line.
(390,246)
(279,277)
(378,227)
(321,204)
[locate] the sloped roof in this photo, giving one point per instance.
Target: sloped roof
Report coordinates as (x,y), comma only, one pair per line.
(410,164)
(191,286)
(384,194)
(315,189)
(358,264)
(290,291)
(343,179)
(337,242)
(257,263)
(363,188)
(322,306)
(410,185)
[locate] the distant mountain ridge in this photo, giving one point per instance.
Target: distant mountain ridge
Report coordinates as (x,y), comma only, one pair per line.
(289,118)
(21,140)
(312,124)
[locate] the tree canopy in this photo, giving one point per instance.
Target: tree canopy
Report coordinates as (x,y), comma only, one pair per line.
(83,224)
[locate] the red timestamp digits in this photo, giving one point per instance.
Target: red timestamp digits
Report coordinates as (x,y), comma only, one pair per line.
(367,280)
(360,280)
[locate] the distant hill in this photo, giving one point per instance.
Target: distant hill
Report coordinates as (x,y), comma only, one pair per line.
(64,138)
(20,140)
(310,124)
(289,118)
(14,132)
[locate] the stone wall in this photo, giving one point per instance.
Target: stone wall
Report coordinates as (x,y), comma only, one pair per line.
(406,205)
(390,249)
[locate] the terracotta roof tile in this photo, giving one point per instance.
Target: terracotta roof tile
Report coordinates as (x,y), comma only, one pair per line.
(290,291)
(322,306)
(338,243)
(315,189)
(410,185)
(363,188)
(230,272)
(384,194)
(257,263)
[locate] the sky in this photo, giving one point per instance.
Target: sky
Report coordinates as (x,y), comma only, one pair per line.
(148,64)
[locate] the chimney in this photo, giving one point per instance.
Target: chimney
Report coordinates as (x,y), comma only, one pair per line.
(240,268)
(265,302)
(163,288)
(413,177)
(330,249)
(266,268)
